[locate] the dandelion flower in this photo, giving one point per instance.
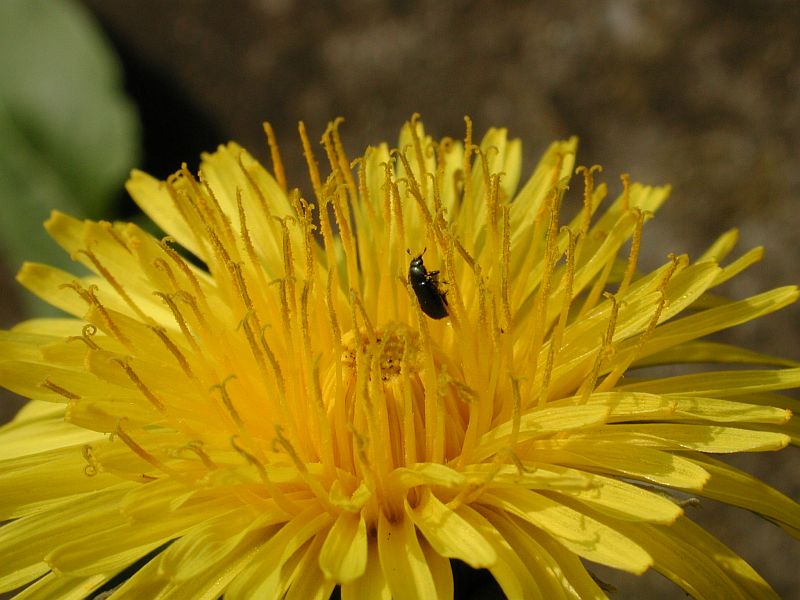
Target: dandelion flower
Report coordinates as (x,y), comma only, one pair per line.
(260,405)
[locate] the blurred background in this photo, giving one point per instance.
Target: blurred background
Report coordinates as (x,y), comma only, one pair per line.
(702,94)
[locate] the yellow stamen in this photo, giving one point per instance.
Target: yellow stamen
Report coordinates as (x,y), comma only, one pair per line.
(275,155)
(179,319)
(144,454)
(630,270)
(87,332)
(274,491)
(174,350)
(146,392)
(92,467)
(228,403)
(59,390)
(606,349)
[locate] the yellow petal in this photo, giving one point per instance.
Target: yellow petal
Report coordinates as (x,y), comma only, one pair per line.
(640,406)
(625,501)
(307,580)
(671,436)
(25,541)
(550,580)
(555,166)
(49,284)
(721,384)
(717,319)
(511,574)
(449,534)
(344,554)
(118,545)
(684,553)
(61,587)
(645,464)
(711,352)
(33,434)
(441,571)
(426,474)
(583,535)
(154,199)
(402,561)
(20,577)
(30,484)
(540,423)
(372,584)
(732,486)
(571,565)
(266,576)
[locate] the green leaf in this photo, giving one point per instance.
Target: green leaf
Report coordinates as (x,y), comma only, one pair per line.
(68,133)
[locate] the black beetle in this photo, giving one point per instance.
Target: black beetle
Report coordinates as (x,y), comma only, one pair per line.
(425,284)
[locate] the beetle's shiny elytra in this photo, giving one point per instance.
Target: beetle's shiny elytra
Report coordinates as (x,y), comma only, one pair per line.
(425,284)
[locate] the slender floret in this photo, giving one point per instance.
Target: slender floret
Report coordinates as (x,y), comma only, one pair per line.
(275,399)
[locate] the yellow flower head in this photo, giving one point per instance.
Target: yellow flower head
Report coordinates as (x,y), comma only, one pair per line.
(284,396)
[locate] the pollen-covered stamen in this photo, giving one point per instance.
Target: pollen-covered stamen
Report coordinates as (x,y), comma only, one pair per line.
(89,294)
(306,219)
(273,490)
(235,270)
(418,154)
(320,427)
(626,190)
(541,319)
(244,234)
(93,466)
(186,202)
(588,197)
(174,350)
(227,402)
(255,188)
(179,319)
(142,453)
(114,235)
(505,264)
(219,265)
(401,240)
(53,387)
(140,385)
(547,373)
(493,211)
(187,272)
(415,189)
(531,266)
(338,158)
(605,351)
(631,355)
(220,215)
(335,194)
(326,450)
(196,447)
(255,349)
(87,333)
(288,261)
(633,257)
(566,295)
(275,155)
(113,282)
(314,485)
(161,265)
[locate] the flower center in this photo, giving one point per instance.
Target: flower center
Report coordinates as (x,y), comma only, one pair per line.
(391,347)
